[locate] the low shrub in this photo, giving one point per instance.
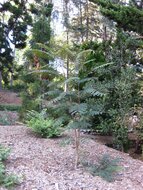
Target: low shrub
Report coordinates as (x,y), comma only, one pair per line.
(41,125)
(4,153)
(7,181)
(106,168)
(66,141)
(9,107)
(8,118)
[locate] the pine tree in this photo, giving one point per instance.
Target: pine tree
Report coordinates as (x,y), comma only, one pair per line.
(129,17)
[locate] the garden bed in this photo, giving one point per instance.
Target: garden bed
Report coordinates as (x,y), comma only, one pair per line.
(48,164)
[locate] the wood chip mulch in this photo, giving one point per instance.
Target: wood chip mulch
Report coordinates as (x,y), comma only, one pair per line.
(45,164)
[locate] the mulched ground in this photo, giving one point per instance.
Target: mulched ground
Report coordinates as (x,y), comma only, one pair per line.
(8,97)
(48,164)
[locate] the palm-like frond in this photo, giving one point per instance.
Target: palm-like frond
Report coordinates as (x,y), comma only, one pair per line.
(81,57)
(45,47)
(102,66)
(65,52)
(57,99)
(72,79)
(43,54)
(52,72)
(79,108)
(81,124)
(93,92)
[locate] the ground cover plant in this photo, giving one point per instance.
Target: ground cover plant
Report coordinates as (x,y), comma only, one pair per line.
(8,118)
(107,167)
(6,180)
(9,107)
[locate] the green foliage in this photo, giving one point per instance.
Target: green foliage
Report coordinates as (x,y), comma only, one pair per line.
(7,181)
(42,22)
(107,167)
(93,59)
(4,107)
(4,153)
(105,127)
(10,181)
(120,140)
(30,94)
(127,17)
(8,118)
(122,96)
(80,110)
(14,20)
(37,89)
(99,95)
(66,141)
(36,79)
(41,125)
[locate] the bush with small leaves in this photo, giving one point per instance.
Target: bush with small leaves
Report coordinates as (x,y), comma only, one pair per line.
(42,126)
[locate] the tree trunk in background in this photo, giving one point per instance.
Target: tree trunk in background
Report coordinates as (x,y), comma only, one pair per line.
(66,18)
(81,21)
(11,80)
(0,80)
(67,64)
(87,20)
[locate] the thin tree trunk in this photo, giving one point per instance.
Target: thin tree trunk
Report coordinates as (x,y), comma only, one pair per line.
(77,138)
(11,73)
(104,33)
(77,146)
(81,21)
(87,20)
(67,41)
(67,62)
(11,79)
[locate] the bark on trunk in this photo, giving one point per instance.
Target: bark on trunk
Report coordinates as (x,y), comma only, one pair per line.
(77,146)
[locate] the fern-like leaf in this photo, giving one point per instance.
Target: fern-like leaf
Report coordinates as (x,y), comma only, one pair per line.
(78,108)
(43,54)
